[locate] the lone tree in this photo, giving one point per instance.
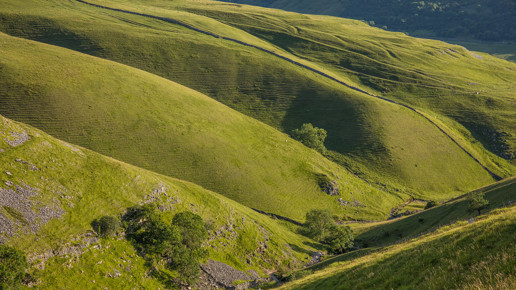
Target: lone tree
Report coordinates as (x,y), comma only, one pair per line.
(311,136)
(477,202)
(106,226)
(321,227)
(12,267)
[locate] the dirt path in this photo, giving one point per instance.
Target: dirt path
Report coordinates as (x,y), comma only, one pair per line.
(170,20)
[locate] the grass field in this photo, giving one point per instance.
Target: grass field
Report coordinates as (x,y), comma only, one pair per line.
(364,133)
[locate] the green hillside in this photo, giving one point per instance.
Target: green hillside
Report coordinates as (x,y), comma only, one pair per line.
(465,255)
(472,93)
(148,121)
(51,191)
(364,132)
(373,234)
(491,20)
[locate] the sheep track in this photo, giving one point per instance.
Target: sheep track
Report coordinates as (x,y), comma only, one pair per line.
(174,21)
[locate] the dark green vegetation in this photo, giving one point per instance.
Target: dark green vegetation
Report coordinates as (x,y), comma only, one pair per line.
(13,264)
(477,202)
(177,245)
(311,136)
(320,226)
(492,20)
(106,226)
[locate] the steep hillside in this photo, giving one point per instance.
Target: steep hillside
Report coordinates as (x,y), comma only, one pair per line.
(364,132)
(154,123)
(465,90)
(481,19)
(51,191)
(465,255)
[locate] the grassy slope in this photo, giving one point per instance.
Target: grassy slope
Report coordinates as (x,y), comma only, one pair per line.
(148,121)
(363,132)
(86,185)
(373,234)
(446,81)
(459,256)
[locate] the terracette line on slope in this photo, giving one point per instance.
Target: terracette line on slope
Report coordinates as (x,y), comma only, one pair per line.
(170,20)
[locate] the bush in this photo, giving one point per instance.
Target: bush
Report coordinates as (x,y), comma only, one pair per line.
(477,202)
(311,136)
(106,226)
(430,204)
(13,264)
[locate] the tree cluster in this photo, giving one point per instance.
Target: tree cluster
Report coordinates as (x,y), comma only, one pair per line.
(175,244)
(320,226)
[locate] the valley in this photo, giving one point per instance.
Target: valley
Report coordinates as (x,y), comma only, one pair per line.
(190,106)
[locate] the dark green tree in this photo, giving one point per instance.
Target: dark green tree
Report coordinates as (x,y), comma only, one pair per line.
(430,204)
(339,239)
(106,226)
(318,224)
(13,264)
(192,227)
(477,202)
(311,136)
(178,244)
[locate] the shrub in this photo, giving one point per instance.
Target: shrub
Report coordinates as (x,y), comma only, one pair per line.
(13,264)
(106,226)
(477,202)
(430,204)
(311,136)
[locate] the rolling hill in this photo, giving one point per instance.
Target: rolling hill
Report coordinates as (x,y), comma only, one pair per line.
(364,132)
(188,105)
(154,123)
(51,191)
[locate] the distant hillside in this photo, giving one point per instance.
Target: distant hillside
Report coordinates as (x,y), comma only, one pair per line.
(491,20)
(364,133)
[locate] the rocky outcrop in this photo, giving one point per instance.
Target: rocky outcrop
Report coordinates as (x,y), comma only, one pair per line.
(219,275)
